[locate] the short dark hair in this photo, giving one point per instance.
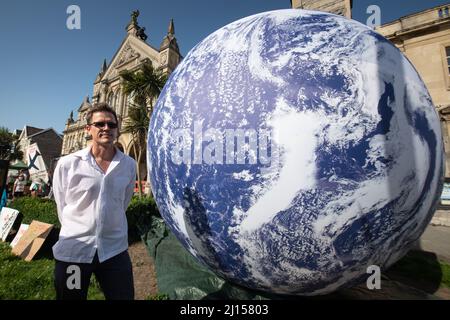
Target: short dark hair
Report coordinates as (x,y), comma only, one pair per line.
(100,107)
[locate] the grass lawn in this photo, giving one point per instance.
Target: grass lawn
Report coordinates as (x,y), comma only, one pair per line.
(21,280)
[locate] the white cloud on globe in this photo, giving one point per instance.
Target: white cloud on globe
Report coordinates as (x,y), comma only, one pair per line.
(355,166)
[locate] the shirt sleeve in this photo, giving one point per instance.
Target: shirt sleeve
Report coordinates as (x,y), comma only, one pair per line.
(130,188)
(59,190)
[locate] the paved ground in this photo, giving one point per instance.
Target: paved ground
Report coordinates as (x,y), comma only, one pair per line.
(441,218)
(437,239)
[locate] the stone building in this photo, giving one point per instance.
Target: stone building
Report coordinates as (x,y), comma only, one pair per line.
(342,7)
(74,135)
(131,54)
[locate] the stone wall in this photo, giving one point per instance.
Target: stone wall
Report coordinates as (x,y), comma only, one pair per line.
(341,7)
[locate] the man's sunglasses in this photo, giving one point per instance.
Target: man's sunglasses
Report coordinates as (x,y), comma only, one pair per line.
(102,124)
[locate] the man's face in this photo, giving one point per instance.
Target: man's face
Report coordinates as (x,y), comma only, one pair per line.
(102,128)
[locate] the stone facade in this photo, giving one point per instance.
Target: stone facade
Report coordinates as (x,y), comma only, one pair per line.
(424,38)
(341,7)
(74,135)
(132,53)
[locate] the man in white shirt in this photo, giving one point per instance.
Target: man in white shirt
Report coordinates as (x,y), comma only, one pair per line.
(92,190)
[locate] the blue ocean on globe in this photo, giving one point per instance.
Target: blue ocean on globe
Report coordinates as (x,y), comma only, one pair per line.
(292,149)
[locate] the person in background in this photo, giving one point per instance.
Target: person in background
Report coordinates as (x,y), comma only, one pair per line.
(50,190)
(34,189)
(19,185)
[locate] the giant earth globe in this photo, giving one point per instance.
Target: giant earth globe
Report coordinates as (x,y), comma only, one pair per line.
(291,151)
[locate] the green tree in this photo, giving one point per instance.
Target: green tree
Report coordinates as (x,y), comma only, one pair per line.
(137,125)
(144,87)
(9,147)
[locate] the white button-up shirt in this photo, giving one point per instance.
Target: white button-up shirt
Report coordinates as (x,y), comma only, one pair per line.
(91,206)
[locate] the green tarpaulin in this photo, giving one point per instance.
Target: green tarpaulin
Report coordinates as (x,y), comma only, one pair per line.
(180,276)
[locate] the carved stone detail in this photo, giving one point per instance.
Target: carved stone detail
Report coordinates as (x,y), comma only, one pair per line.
(163,58)
(128,54)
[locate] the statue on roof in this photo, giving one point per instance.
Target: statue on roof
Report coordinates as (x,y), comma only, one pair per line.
(140,33)
(134,16)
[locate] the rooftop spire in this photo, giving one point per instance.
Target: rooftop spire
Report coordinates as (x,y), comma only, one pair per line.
(85,105)
(170,40)
(171,28)
(104,66)
(70,120)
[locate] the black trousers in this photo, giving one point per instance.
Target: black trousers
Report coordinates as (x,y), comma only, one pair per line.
(114,275)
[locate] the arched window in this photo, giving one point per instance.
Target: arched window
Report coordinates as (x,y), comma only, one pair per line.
(120,104)
(66,142)
(128,102)
(114,104)
(110,99)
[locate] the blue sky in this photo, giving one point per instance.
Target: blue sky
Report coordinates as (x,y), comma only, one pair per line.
(46,70)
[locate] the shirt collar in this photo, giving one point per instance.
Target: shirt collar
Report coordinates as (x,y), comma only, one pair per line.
(84,154)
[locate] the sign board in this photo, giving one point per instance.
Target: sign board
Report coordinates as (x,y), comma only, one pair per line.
(7,218)
(32,240)
(36,164)
(445,196)
(19,234)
